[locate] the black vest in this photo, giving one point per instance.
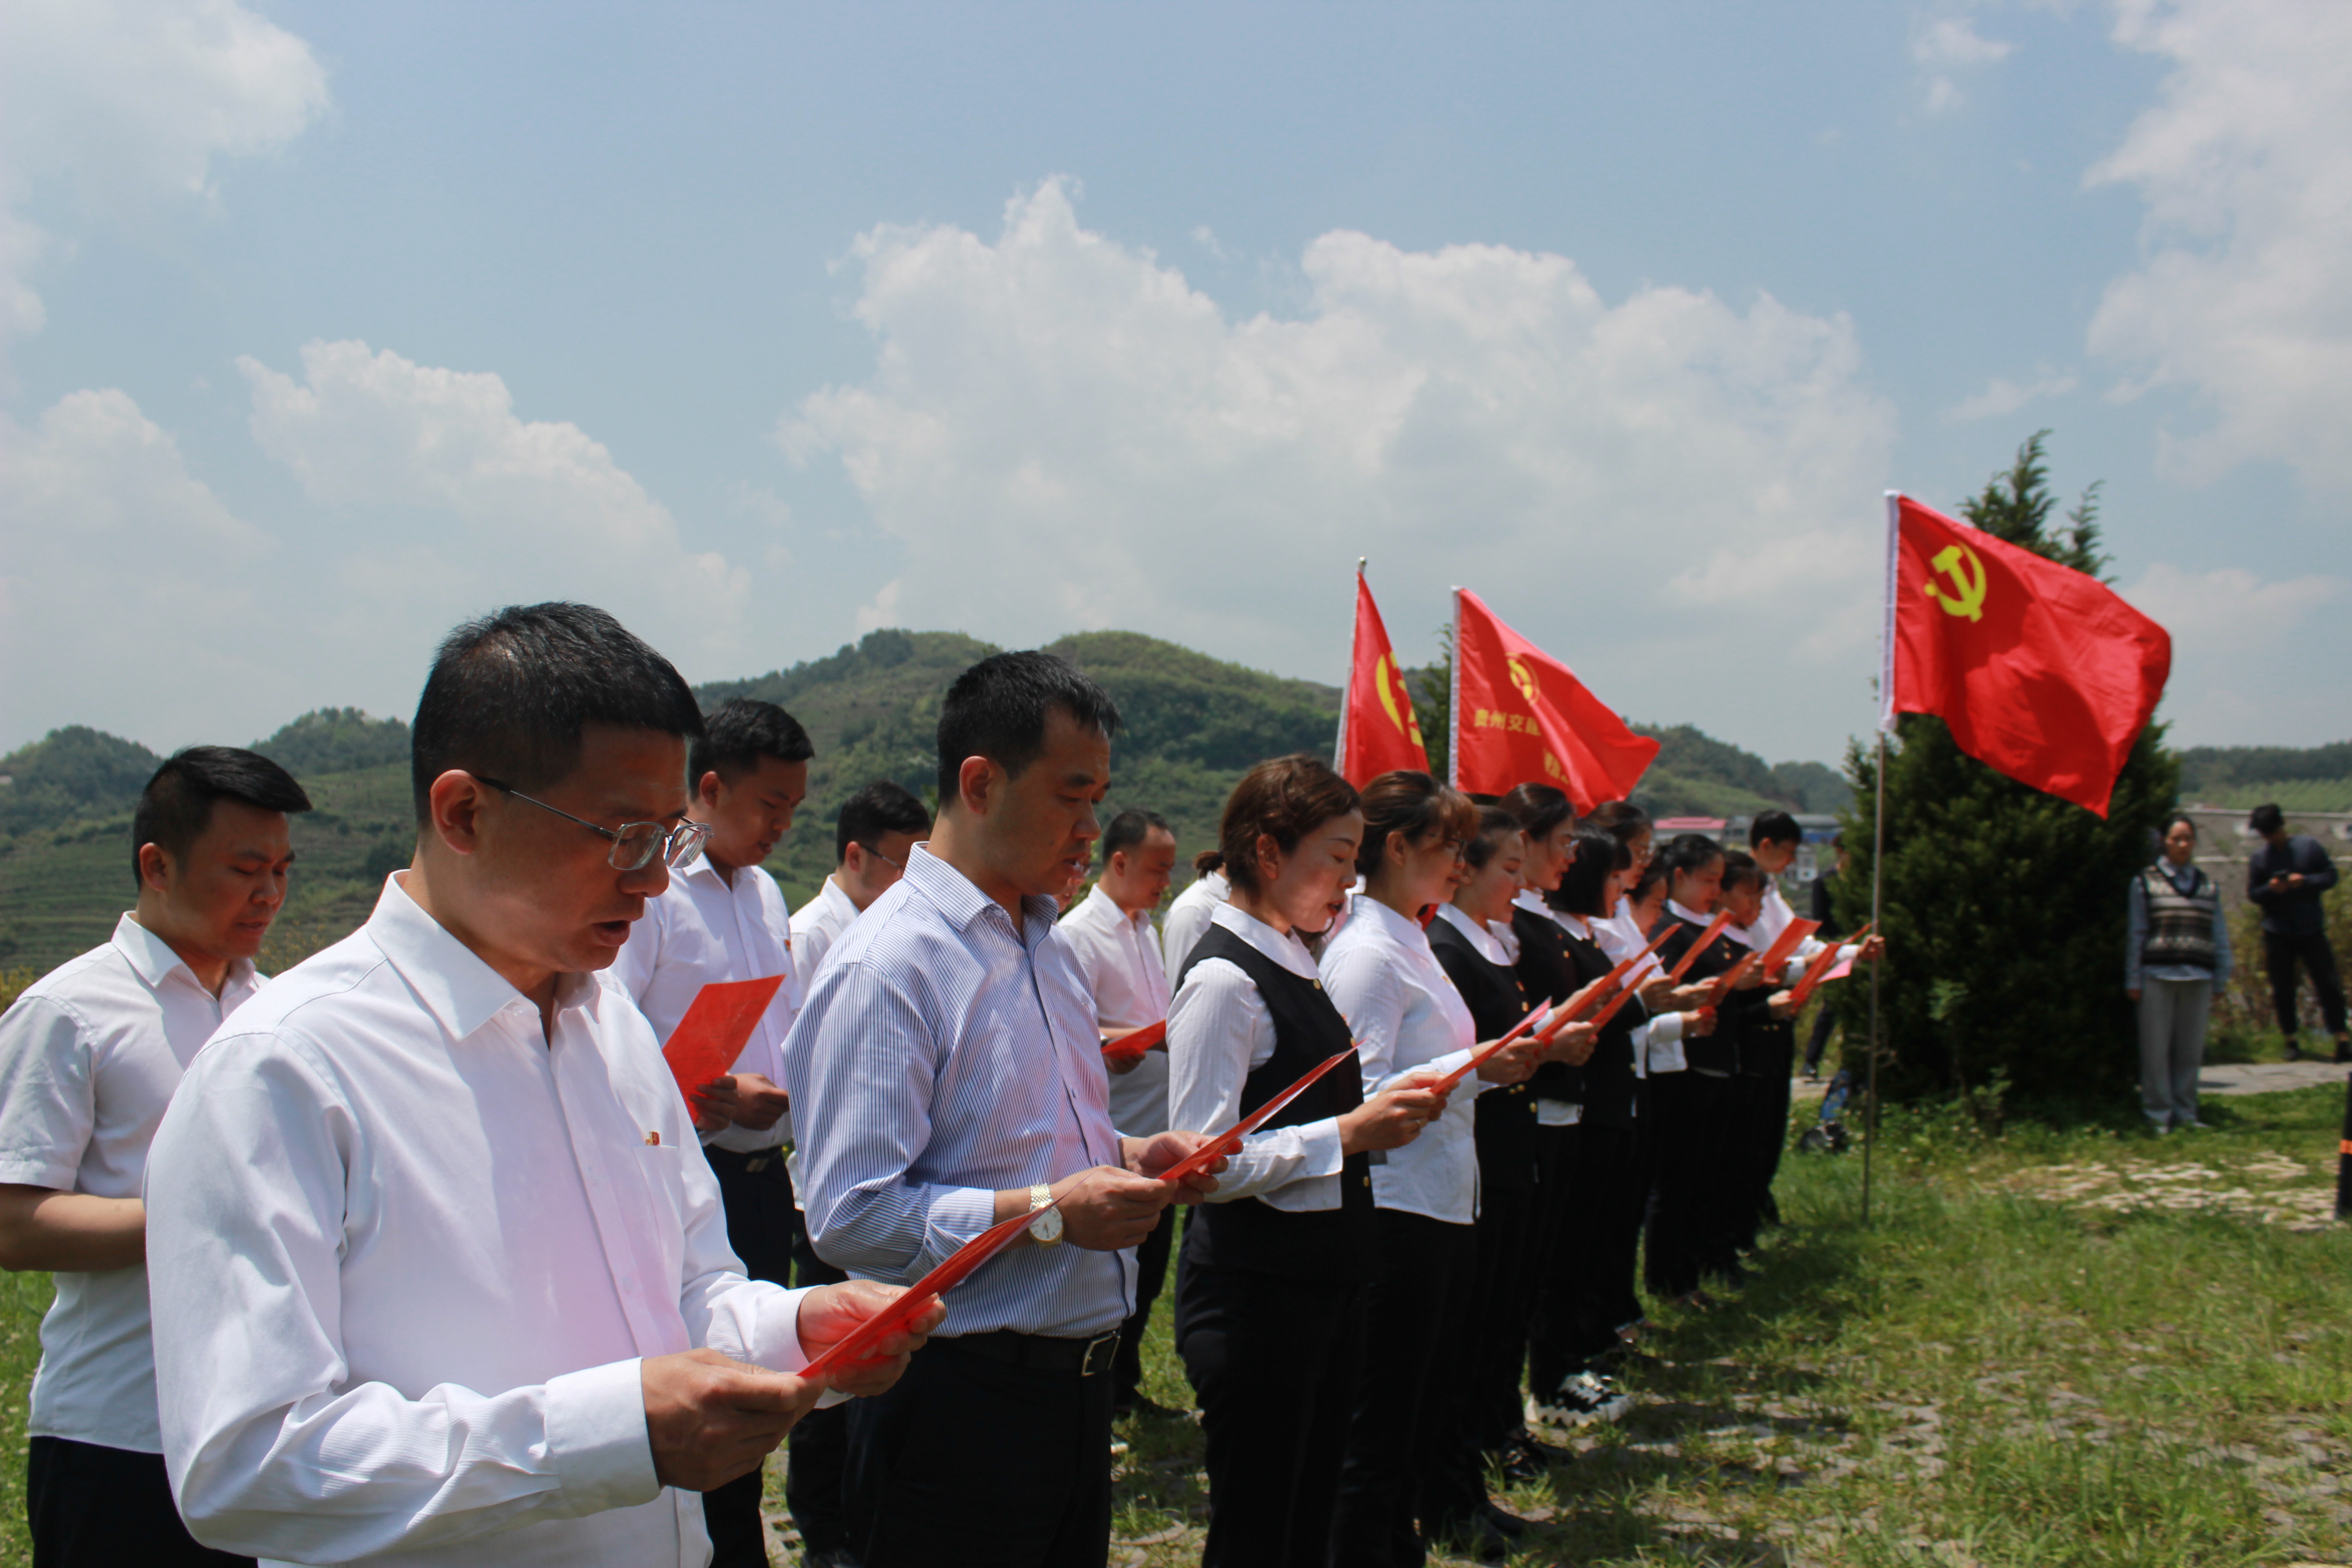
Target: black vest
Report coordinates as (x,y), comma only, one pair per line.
(1506,1115)
(1609,1078)
(1546,975)
(1335,1245)
(1717,1052)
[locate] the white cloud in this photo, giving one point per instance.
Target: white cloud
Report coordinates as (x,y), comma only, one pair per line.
(448,502)
(127,584)
(2228,610)
(2242,661)
(2244,297)
(2002,396)
(127,105)
(1064,434)
(1943,46)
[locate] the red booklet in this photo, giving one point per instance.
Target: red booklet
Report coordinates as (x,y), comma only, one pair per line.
(1225,1142)
(1706,940)
(950,1273)
(1794,932)
(1616,978)
(1731,977)
(713,1034)
(1828,967)
(1129,1047)
(1478,1057)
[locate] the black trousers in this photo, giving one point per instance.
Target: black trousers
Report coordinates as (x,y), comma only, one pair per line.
(816,1454)
(1552,1271)
(979,1463)
(1764,1100)
(1151,1269)
(1494,1343)
(760,1222)
(1824,1020)
(1687,1233)
(1274,1363)
(94,1506)
(2281,954)
(1578,1318)
(1397,1432)
(1619,1265)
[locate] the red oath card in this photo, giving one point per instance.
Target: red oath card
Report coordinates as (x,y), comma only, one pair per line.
(950,1274)
(1612,982)
(713,1034)
(1130,1047)
(1784,945)
(1217,1148)
(1827,967)
(1706,940)
(1478,1057)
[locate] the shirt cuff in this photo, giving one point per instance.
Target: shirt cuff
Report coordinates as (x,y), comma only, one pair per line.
(33,1172)
(957,1215)
(1319,1153)
(597,1439)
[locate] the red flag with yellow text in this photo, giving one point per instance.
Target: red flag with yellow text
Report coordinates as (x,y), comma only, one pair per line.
(1378,732)
(2043,672)
(1519,717)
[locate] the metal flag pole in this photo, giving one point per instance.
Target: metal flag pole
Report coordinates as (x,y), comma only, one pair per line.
(1877,878)
(1355,607)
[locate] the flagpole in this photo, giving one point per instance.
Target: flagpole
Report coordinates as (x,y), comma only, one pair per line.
(1355,614)
(1878,835)
(1453,699)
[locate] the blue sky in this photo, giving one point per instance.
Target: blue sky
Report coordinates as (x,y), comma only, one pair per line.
(326,325)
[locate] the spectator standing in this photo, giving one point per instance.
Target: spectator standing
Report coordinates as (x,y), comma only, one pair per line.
(1189,916)
(2178,950)
(2286,878)
(876,828)
(1111,935)
(89,1056)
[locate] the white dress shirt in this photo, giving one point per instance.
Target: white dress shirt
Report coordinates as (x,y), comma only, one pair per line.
(817,925)
(407,1250)
(1118,954)
(944,1057)
(1187,921)
(1405,1013)
(704,929)
(1219,1032)
(90,1055)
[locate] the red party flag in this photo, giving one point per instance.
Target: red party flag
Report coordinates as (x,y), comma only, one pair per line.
(1378,732)
(2043,672)
(717,1022)
(1519,717)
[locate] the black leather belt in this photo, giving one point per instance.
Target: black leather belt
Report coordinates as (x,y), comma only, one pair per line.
(1041,1352)
(750,1164)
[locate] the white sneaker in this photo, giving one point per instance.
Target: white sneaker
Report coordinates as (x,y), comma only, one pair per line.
(1582,1398)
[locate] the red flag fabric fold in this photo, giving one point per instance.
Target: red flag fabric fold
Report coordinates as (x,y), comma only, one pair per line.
(2043,672)
(1378,732)
(1520,717)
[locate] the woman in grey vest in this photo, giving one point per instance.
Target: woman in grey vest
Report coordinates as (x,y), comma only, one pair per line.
(2179,949)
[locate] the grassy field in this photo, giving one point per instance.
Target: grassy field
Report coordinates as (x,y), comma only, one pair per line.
(2079,1347)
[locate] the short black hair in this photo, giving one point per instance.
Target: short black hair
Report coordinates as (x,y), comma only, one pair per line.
(1131,828)
(1774,827)
(2267,819)
(2164,829)
(508,693)
(1741,870)
(881,809)
(1584,886)
(1689,852)
(997,709)
(737,733)
(176,806)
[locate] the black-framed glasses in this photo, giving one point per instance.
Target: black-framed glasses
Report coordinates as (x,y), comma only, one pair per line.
(635,844)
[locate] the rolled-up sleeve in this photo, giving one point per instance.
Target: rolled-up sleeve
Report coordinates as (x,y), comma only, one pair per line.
(267,1453)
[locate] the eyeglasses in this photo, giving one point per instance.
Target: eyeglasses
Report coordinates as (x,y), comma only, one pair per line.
(901,865)
(635,844)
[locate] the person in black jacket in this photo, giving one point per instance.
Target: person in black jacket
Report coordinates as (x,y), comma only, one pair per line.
(1824,1018)
(2286,876)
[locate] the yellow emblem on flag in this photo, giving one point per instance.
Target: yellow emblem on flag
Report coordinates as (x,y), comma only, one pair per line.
(1967,597)
(1395,701)
(1524,679)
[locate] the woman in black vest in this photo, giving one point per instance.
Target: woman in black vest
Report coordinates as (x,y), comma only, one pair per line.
(2177,951)
(1768,1057)
(1271,1284)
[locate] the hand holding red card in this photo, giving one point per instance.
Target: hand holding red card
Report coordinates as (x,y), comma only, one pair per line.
(1615,977)
(717,1024)
(1791,934)
(1484,1053)
(951,1272)
(1828,967)
(1130,1047)
(1731,977)
(1706,940)
(1226,1142)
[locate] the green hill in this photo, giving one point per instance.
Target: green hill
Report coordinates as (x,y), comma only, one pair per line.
(1192,725)
(2314,778)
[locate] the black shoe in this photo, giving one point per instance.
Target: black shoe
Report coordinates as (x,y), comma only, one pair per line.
(1524,1460)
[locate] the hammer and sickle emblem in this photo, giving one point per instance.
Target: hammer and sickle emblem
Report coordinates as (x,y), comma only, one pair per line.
(1525,680)
(1394,701)
(1966,597)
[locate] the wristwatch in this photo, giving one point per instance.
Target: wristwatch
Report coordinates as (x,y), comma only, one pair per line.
(1045,1230)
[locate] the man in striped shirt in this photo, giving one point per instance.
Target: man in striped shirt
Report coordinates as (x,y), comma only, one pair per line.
(946,1074)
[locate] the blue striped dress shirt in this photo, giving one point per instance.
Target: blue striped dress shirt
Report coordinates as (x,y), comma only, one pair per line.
(941,1057)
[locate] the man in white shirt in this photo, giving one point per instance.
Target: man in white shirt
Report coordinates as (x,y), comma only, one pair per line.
(90,1055)
(877,827)
(1188,917)
(1110,935)
(723,917)
(438,1276)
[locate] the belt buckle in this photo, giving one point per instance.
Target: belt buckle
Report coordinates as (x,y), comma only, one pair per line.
(1100,1354)
(757,1164)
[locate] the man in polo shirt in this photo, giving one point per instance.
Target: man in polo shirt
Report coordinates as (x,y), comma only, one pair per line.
(89,1056)
(946,1076)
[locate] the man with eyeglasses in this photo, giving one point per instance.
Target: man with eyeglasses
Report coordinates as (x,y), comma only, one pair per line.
(878,827)
(437,1272)
(723,917)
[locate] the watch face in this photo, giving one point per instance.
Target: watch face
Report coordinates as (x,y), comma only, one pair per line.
(1047,1226)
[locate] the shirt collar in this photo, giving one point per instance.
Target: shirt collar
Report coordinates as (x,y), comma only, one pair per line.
(959,898)
(837,897)
(1489,945)
(458,988)
(1284,948)
(1693,916)
(154,958)
(1099,905)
